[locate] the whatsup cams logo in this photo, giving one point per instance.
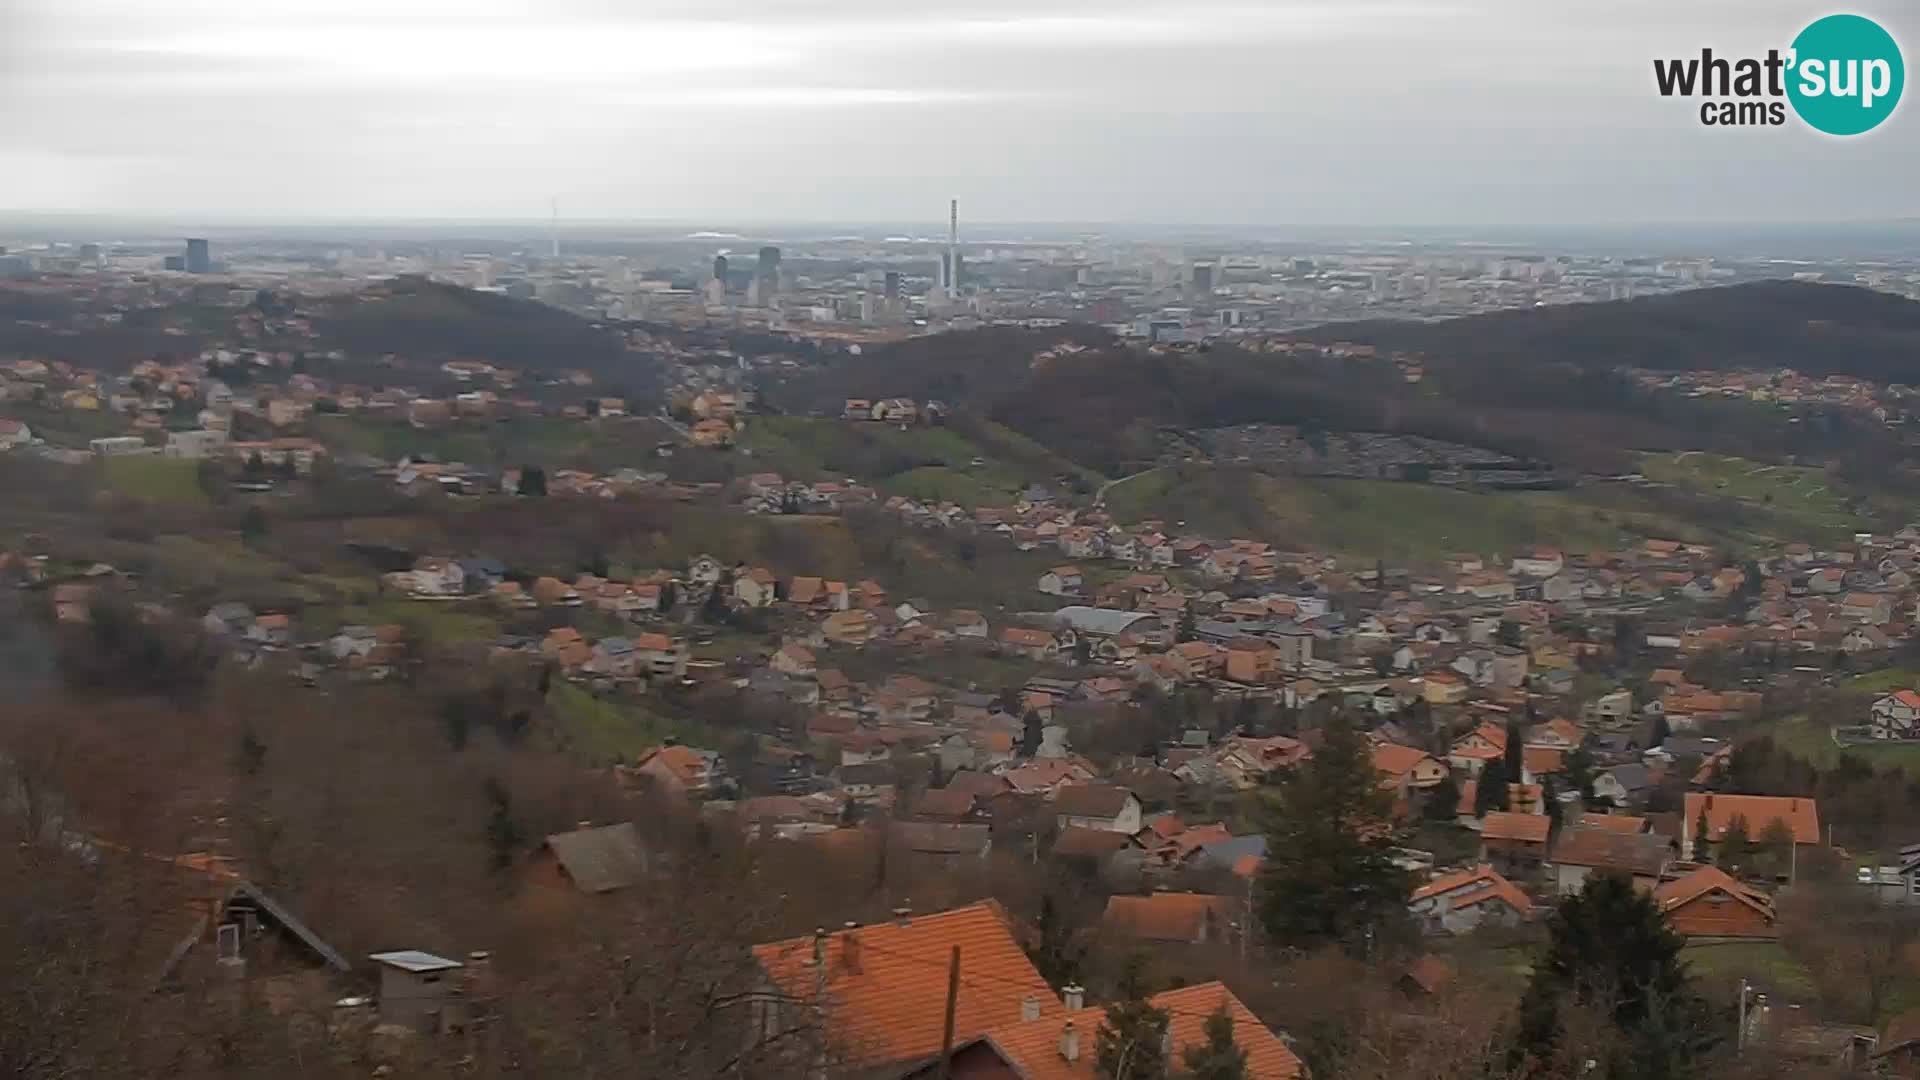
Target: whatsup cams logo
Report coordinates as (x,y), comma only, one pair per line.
(1842,75)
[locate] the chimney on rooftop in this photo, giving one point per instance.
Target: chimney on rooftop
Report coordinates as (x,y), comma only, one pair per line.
(1075,995)
(850,950)
(1029,1009)
(819,946)
(903,915)
(1069,1042)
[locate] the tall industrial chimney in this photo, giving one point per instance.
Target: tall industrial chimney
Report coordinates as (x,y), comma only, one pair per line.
(953,251)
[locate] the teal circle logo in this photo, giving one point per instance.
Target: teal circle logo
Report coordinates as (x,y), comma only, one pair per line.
(1846,75)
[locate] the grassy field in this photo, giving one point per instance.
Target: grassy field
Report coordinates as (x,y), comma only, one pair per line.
(540,440)
(155,479)
(1765,964)
(603,732)
(1377,518)
(1880,682)
(1810,739)
(991,466)
(1782,500)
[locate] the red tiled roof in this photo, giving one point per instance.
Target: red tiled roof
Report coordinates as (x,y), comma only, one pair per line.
(1449,882)
(886,983)
(1034,1048)
(1430,972)
(1614,823)
(1091,800)
(1168,916)
(1499,889)
(1527,828)
(1707,879)
(1540,760)
(1802,816)
(1396,760)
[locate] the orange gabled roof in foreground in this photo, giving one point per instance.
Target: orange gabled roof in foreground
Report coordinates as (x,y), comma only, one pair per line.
(1034,1048)
(1459,879)
(1802,816)
(887,983)
(1527,828)
(1710,879)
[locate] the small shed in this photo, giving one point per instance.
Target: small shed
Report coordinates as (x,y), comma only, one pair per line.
(416,989)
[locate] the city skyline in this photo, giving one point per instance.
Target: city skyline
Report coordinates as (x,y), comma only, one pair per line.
(1404,114)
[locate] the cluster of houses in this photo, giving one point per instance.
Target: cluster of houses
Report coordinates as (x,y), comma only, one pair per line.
(1784,385)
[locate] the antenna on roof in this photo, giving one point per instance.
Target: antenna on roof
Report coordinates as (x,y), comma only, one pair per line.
(554,224)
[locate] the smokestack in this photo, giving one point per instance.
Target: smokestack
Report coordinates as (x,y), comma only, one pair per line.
(555,229)
(953,250)
(1069,1042)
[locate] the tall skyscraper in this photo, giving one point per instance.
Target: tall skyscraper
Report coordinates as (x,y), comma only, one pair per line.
(892,287)
(767,273)
(720,270)
(199,256)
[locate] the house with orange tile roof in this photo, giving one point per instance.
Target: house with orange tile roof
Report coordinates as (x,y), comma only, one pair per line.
(795,660)
(1097,806)
(1618,823)
(1539,761)
(1557,734)
(806,591)
(854,628)
(1198,659)
(1472,751)
(1578,853)
(1801,817)
(682,770)
(1170,917)
(1896,715)
(1405,768)
(881,990)
(1045,776)
(1032,644)
(1459,902)
(1514,843)
(1062,1046)
(1708,903)
(660,656)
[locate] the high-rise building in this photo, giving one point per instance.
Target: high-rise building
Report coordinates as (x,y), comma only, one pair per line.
(89,253)
(767,273)
(1203,278)
(950,263)
(199,257)
(720,270)
(175,263)
(892,287)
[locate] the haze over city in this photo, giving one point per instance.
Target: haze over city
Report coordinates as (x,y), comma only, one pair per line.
(1407,113)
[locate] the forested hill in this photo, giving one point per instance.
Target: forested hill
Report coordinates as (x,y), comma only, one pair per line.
(1812,328)
(1540,383)
(427,320)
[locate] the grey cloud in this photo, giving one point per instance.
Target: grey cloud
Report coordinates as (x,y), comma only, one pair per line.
(1217,111)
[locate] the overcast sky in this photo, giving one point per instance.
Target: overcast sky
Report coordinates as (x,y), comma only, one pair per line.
(1161,111)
